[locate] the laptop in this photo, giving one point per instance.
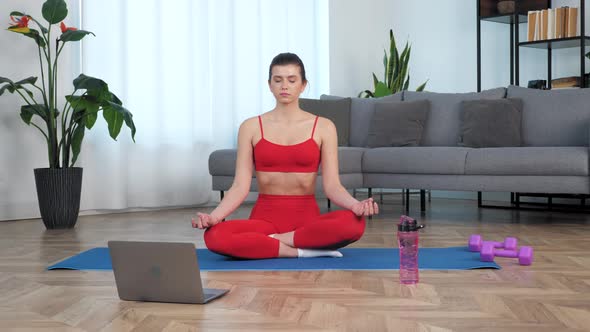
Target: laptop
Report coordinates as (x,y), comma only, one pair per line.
(159,272)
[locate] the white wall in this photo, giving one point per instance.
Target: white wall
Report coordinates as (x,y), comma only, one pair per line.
(19,144)
(358,33)
(443,39)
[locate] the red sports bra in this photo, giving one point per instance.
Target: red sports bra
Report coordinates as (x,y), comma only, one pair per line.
(302,157)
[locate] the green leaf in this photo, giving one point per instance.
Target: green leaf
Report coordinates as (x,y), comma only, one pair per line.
(113,120)
(116,99)
(17,14)
(91,119)
(54,11)
(392,63)
(34,34)
(421,87)
(385,59)
(375,81)
(75,35)
(28,80)
(407,84)
(3,88)
(402,71)
(85,109)
(77,138)
(381,90)
(12,86)
(27,112)
(83,82)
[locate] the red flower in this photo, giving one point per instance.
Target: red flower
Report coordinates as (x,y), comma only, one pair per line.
(21,24)
(64,28)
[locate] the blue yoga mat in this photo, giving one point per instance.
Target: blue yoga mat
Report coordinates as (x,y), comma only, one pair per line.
(453,258)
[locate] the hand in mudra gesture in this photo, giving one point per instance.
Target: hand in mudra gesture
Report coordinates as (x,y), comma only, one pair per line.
(204,220)
(365,208)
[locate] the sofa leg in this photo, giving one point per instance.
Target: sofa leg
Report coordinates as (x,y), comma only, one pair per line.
(479,203)
(407,205)
(329,204)
(422,200)
(221,198)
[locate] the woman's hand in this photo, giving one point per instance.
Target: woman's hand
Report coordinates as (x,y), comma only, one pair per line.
(204,220)
(365,208)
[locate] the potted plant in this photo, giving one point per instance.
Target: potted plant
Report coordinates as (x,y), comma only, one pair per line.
(62,126)
(396,77)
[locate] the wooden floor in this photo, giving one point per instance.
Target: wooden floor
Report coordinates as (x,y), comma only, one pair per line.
(551,295)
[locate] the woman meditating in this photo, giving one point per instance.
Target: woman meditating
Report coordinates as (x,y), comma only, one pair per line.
(284,146)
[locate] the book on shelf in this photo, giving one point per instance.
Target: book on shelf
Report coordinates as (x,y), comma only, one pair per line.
(552,23)
(572,29)
(532,24)
(569,82)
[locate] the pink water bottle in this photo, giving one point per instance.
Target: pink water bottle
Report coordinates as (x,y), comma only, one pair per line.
(407,238)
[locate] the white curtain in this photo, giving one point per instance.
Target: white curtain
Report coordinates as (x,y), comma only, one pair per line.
(190,72)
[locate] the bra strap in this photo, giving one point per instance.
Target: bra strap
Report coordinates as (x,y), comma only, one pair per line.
(316,122)
(260,121)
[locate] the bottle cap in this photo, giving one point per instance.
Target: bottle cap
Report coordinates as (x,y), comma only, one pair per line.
(408,224)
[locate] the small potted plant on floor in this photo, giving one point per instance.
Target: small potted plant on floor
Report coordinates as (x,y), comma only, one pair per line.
(63,127)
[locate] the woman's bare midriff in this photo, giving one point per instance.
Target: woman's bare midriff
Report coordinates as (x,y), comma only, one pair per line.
(279,183)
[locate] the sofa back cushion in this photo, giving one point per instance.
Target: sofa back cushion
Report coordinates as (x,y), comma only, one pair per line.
(336,110)
(491,123)
(554,117)
(442,126)
(361,113)
(398,123)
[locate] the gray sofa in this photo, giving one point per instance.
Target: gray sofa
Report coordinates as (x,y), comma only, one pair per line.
(553,157)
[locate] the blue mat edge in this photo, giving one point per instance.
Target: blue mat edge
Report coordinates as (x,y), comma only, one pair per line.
(487,265)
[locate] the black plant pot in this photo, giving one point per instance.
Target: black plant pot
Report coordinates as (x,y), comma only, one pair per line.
(58,191)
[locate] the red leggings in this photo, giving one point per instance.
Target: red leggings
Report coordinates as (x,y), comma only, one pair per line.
(276,214)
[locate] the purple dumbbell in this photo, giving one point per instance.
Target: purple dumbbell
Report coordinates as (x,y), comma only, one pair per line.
(524,254)
(476,242)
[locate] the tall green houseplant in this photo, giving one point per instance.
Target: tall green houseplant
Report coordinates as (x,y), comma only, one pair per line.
(396,72)
(63,128)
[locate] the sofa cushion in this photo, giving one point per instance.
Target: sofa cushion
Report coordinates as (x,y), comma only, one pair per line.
(415,160)
(554,117)
(361,112)
(223,162)
(350,159)
(398,123)
(491,123)
(553,161)
(442,127)
(336,110)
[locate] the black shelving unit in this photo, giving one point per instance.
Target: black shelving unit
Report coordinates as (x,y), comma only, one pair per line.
(487,11)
